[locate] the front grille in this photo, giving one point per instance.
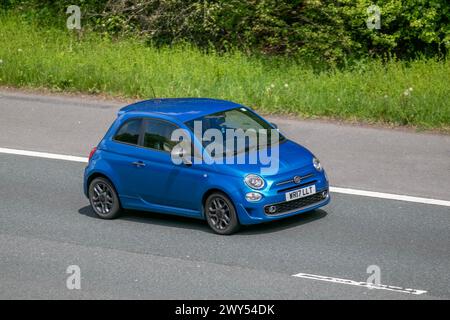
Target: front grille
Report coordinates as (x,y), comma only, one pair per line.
(288,206)
(297,186)
(292,180)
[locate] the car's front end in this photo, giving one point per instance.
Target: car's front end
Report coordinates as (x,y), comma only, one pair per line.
(285,195)
(267,176)
(298,187)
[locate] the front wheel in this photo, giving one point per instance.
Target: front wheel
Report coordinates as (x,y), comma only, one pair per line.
(221,214)
(103,198)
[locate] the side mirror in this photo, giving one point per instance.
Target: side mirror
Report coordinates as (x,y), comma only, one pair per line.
(180,153)
(187,162)
(274,125)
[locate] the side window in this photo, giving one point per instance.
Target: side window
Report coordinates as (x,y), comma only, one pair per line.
(129,132)
(157,135)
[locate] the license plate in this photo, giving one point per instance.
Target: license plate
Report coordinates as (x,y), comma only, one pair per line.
(300,193)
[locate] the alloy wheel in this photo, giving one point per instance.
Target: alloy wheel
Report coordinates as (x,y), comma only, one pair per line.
(219,213)
(102,198)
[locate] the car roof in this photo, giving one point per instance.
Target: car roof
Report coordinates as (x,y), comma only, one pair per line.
(183,109)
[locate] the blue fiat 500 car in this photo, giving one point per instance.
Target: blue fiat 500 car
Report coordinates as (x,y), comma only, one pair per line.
(133,166)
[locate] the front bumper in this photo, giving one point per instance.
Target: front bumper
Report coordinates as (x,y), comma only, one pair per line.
(287,207)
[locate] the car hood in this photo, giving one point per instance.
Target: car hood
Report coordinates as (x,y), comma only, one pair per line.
(292,156)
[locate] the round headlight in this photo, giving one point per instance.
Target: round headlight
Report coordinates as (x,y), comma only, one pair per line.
(316,164)
(254,181)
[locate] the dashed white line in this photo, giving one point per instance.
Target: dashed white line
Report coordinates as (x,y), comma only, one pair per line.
(359,284)
(363,193)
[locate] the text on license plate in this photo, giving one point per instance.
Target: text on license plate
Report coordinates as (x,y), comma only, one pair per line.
(301,193)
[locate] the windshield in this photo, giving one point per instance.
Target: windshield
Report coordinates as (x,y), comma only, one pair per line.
(234,131)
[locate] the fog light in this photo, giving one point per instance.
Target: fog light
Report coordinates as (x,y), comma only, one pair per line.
(324,194)
(272,209)
(253,196)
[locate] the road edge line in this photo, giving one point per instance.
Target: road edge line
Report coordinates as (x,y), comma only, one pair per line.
(389,196)
(44,155)
(349,191)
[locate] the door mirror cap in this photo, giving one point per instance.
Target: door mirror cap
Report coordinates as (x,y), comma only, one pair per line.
(180,153)
(187,161)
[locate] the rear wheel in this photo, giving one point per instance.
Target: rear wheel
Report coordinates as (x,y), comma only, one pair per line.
(221,214)
(103,198)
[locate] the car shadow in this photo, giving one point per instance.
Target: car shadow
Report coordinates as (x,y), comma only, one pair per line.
(167,220)
(283,224)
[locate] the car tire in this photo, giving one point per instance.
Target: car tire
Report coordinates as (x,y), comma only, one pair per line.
(221,214)
(104,199)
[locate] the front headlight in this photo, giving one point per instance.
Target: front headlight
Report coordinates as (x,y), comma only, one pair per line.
(254,181)
(253,196)
(316,164)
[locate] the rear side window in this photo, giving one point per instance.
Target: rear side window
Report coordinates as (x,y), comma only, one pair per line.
(157,135)
(129,132)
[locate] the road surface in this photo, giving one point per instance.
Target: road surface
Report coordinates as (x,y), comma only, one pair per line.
(46,224)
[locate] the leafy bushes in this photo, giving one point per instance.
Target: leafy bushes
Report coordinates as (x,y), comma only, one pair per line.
(396,92)
(320,31)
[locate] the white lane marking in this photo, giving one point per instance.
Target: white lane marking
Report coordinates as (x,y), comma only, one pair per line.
(359,284)
(390,196)
(363,193)
(43,155)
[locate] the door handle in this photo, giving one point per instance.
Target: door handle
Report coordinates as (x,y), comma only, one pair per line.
(139,164)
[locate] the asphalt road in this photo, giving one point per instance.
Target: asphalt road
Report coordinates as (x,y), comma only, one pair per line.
(355,157)
(46,224)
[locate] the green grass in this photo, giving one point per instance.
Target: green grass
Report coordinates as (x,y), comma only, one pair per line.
(32,56)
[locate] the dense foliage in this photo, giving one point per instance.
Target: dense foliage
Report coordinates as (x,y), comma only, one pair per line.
(317,30)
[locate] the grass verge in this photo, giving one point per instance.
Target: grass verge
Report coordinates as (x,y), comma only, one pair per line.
(415,93)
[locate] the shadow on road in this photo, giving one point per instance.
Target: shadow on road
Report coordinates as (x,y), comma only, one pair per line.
(283,224)
(167,220)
